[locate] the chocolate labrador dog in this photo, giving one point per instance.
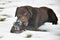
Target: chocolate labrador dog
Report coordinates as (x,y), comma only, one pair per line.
(30,18)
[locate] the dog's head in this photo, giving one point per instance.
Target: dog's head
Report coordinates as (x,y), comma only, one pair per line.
(23,15)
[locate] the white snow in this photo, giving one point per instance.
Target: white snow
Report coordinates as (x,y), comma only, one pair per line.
(10,8)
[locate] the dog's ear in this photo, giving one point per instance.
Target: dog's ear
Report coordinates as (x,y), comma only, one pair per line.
(17,10)
(29,9)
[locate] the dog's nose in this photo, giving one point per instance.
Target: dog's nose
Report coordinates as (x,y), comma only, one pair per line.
(25,23)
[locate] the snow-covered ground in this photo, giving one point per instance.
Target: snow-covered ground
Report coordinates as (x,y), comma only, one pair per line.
(10,8)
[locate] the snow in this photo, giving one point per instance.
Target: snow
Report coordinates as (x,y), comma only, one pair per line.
(10,8)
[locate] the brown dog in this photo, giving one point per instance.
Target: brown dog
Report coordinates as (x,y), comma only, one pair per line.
(30,18)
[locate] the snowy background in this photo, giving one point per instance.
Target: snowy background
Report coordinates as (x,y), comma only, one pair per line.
(7,10)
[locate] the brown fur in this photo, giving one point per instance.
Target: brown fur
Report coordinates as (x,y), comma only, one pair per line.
(35,17)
